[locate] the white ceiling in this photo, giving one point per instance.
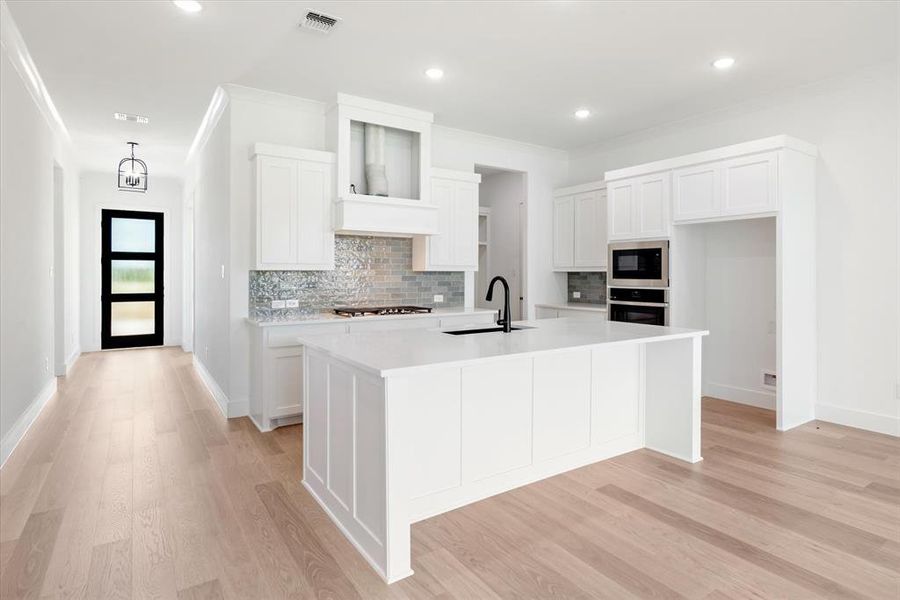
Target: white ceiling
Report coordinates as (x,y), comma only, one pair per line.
(514,70)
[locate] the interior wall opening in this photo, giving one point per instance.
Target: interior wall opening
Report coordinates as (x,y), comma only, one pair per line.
(502,236)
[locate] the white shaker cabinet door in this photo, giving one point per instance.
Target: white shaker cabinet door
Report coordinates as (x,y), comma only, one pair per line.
(276,212)
(620,211)
(563,232)
(440,246)
(750,184)
(465,226)
(590,230)
(697,192)
(316,239)
(652,206)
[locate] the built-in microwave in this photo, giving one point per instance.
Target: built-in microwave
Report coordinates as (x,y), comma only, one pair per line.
(639,264)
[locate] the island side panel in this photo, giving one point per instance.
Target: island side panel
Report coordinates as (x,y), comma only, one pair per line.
(672,382)
(344,452)
(484,429)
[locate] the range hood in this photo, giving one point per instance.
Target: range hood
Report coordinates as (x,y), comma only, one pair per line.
(384,216)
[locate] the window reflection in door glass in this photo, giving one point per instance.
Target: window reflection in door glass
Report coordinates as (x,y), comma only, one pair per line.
(132,318)
(133,235)
(133,276)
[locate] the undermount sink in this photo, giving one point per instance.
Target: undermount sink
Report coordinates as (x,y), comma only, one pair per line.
(483,330)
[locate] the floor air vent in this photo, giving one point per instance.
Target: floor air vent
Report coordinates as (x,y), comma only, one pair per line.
(319,22)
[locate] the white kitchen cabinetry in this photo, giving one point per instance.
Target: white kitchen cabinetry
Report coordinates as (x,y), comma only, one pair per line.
(292,212)
(732,188)
(455,246)
(549,311)
(579,228)
(276,373)
(638,207)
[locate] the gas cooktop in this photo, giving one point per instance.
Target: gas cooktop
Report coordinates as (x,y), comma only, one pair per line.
(357,311)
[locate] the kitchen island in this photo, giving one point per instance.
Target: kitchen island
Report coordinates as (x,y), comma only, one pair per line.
(403,425)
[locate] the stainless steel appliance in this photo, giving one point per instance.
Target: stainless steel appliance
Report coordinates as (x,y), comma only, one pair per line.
(636,305)
(639,264)
(357,311)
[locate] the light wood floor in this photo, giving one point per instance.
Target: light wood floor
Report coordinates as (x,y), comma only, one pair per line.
(132,485)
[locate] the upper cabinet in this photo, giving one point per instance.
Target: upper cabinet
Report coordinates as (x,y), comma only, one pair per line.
(746,185)
(638,207)
(579,228)
(292,215)
(455,247)
(734,182)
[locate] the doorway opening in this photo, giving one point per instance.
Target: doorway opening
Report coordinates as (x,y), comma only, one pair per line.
(132,279)
(502,235)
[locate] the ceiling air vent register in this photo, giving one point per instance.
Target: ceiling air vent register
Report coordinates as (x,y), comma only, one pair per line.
(320,22)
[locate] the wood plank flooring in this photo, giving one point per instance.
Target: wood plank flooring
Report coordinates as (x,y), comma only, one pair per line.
(132,485)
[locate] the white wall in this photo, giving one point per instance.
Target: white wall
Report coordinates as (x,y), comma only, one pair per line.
(502,193)
(854,123)
(740,310)
(31,142)
(99,191)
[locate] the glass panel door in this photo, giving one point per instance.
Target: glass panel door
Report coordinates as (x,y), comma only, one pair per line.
(132,286)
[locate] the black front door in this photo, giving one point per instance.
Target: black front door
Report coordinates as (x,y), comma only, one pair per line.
(132,287)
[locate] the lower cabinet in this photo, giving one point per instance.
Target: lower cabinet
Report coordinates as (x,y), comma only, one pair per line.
(276,373)
(551,312)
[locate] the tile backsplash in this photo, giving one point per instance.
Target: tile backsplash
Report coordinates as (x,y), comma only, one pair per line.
(369,271)
(592,286)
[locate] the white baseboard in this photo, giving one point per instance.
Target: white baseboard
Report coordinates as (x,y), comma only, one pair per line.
(70,362)
(229,408)
(238,408)
(23,423)
(740,395)
(210,382)
(860,419)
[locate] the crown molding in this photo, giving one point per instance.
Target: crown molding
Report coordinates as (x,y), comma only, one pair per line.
(12,41)
(251,94)
(214,111)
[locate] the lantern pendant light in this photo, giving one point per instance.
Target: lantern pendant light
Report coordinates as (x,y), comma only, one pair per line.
(132,173)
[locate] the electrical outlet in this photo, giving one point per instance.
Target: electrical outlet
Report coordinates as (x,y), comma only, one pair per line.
(292,303)
(576,294)
(771,327)
(46,364)
(222,271)
(438,297)
(278,303)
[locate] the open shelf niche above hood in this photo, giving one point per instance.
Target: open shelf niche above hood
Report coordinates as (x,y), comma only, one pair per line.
(407,210)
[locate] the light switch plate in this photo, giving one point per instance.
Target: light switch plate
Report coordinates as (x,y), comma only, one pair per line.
(438,297)
(293,303)
(576,294)
(277,303)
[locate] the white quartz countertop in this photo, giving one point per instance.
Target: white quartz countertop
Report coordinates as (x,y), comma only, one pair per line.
(330,317)
(576,306)
(387,353)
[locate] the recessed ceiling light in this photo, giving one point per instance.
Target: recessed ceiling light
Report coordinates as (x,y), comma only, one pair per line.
(724,63)
(582,113)
(135,118)
(191,6)
(434,73)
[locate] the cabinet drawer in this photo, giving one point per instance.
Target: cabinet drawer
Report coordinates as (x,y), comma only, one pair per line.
(463,320)
(542,312)
(393,324)
(581,314)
